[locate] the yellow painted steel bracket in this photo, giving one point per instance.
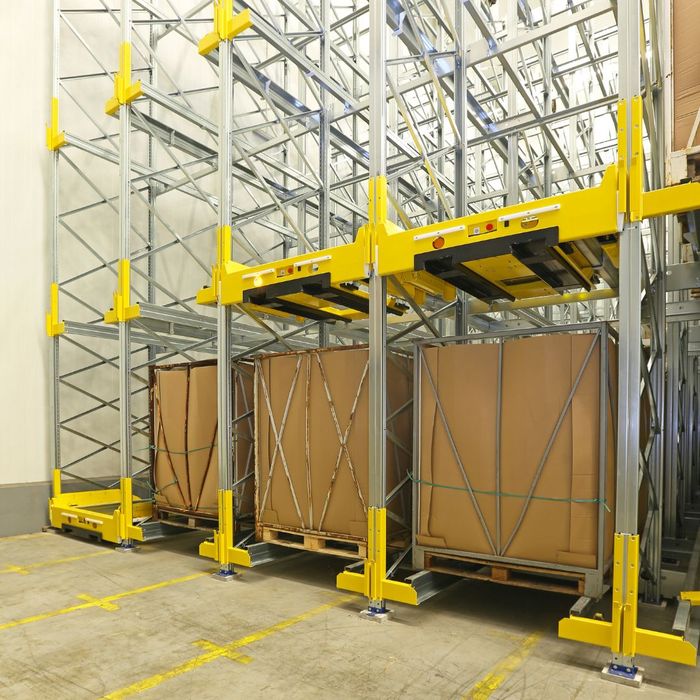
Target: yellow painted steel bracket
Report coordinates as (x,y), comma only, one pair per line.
(123,310)
(54,326)
(80,510)
(210,294)
(227,25)
(125,92)
(222,549)
(373,583)
(622,635)
(54,138)
(693,597)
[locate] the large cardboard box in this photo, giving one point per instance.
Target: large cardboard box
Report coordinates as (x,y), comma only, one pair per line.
(185,433)
(686,71)
(505,420)
(312,430)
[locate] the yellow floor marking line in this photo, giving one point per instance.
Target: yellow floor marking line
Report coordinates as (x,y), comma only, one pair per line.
(226,651)
(105,603)
(500,673)
(27,568)
(31,535)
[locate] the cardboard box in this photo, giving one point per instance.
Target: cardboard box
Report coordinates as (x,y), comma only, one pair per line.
(502,437)
(686,71)
(312,432)
(185,434)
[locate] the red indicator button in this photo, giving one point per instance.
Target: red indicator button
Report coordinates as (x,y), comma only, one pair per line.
(489,227)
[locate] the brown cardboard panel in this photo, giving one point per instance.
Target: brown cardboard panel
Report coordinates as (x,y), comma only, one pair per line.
(202,421)
(686,70)
(469,373)
(538,376)
(170,469)
(536,382)
(244,430)
(312,435)
(185,467)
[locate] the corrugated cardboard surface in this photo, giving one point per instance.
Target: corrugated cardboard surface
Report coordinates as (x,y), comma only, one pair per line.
(312,403)
(538,374)
(686,71)
(185,433)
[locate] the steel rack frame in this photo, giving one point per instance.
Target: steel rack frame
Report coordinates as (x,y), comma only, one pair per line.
(545,238)
(509,115)
(161,159)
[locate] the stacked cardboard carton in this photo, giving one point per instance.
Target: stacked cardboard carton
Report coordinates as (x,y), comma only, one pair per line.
(185,434)
(686,73)
(312,432)
(509,438)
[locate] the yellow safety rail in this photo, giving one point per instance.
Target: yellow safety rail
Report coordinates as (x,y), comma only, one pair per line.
(108,513)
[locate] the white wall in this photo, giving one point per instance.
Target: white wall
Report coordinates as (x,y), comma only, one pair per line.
(25,53)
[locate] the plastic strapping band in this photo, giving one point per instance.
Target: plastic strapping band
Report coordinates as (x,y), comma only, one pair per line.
(507,494)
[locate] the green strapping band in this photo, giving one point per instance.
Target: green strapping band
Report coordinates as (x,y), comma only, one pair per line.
(507,494)
(175,452)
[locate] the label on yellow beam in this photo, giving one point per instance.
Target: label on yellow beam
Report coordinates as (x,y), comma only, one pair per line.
(54,138)
(125,91)
(54,327)
(226,26)
(123,310)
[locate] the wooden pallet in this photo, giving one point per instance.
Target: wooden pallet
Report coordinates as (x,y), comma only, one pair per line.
(523,576)
(336,545)
(191,521)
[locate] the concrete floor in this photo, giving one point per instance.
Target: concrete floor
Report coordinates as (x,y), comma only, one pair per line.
(79,620)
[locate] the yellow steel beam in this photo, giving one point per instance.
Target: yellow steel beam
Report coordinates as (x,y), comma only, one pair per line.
(671,200)
(125,92)
(481,307)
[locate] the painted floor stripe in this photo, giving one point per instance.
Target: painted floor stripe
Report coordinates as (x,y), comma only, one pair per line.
(25,569)
(225,651)
(30,536)
(106,603)
(500,673)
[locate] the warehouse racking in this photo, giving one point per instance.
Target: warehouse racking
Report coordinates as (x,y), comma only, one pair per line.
(428,146)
